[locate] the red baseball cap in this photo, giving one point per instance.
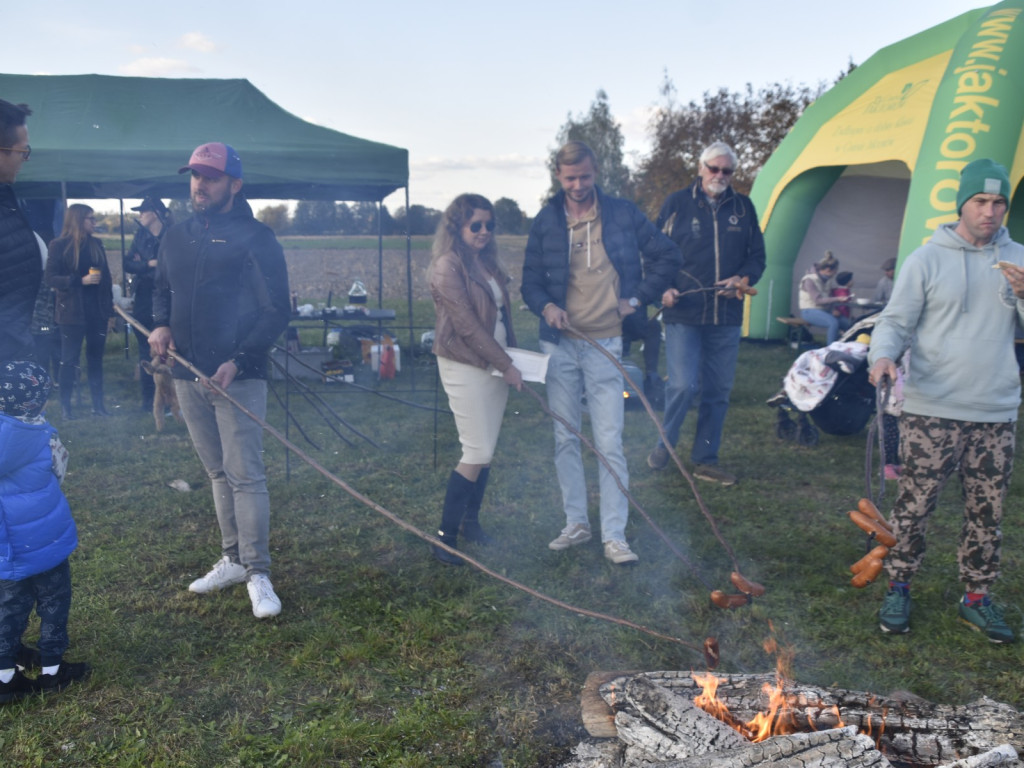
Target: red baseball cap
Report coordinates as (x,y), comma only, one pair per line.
(214,160)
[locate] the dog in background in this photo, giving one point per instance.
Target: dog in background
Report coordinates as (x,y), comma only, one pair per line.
(165,399)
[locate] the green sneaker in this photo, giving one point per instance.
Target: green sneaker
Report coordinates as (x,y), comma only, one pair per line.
(987,618)
(894,616)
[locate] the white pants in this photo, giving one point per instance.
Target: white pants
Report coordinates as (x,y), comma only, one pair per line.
(477,399)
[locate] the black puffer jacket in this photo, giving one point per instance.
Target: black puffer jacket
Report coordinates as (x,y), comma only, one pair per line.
(21,272)
(627,235)
(717,243)
(222,288)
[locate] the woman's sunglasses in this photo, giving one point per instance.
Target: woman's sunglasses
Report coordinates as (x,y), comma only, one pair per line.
(476,226)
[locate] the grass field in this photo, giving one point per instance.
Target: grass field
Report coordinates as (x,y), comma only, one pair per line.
(383,657)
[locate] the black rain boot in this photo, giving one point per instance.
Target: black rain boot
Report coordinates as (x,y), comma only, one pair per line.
(471,529)
(455,500)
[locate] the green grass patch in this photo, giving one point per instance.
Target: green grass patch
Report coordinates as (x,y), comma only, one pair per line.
(383,657)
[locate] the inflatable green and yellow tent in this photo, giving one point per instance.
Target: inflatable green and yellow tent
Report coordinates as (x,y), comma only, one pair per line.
(872,167)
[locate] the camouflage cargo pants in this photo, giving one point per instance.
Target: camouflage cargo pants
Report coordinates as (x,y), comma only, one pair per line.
(931,449)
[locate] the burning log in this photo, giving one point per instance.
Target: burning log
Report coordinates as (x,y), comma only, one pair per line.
(920,732)
(657,718)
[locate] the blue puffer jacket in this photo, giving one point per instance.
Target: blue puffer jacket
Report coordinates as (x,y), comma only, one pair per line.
(627,234)
(37,531)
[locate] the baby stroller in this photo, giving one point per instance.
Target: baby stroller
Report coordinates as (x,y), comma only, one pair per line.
(829,387)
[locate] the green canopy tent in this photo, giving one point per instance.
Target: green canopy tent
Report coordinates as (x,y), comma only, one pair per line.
(98,136)
(872,167)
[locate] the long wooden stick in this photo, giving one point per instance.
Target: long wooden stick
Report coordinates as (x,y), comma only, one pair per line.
(402,523)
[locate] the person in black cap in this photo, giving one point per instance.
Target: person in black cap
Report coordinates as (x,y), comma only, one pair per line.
(140,262)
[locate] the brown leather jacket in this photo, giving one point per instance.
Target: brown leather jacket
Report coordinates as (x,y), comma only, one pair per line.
(466,314)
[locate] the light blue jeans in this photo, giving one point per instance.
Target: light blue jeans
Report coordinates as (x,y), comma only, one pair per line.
(828,321)
(577,367)
(701,360)
(230,446)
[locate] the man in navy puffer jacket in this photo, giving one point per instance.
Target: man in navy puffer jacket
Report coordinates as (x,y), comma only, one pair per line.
(591,261)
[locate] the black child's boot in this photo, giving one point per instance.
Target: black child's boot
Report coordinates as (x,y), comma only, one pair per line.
(471,529)
(455,500)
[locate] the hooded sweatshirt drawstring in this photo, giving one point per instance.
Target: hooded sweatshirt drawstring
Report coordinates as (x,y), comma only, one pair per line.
(569,235)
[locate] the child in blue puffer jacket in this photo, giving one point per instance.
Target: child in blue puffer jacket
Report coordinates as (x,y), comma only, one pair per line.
(37,534)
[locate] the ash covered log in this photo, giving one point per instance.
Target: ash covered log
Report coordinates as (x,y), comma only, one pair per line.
(658,725)
(836,748)
(1003,755)
(917,731)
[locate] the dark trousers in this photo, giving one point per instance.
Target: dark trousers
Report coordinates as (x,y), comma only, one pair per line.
(71,337)
(50,594)
(146,385)
(48,351)
(649,332)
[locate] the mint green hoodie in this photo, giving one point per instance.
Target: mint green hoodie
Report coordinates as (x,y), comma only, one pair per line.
(957,316)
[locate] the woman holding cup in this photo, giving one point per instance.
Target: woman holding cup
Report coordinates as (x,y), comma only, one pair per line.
(77,270)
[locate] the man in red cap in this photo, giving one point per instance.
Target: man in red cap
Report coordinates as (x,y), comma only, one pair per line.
(221,300)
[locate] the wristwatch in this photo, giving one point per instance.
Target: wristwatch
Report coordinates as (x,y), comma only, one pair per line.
(634,302)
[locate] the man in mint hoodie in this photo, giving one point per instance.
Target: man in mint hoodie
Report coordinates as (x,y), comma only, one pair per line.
(955,306)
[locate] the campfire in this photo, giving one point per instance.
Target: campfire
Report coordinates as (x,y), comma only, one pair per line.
(776,720)
(690,720)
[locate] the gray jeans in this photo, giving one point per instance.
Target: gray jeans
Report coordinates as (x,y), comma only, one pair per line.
(230,445)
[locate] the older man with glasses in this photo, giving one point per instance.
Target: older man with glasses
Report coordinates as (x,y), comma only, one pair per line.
(723,255)
(21,264)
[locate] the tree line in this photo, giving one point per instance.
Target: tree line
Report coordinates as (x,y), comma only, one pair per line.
(751,121)
(323,217)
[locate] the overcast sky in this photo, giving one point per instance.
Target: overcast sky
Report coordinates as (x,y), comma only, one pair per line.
(475,92)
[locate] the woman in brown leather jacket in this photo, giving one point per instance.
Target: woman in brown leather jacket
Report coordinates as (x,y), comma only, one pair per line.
(470,291)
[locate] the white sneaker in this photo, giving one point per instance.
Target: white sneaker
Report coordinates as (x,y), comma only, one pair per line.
(223,574)
(264,602)
(570,536)
(619,552)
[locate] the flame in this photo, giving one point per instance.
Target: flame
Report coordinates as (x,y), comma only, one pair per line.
(778,719)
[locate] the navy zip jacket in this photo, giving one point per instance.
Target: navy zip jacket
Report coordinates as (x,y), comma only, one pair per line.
(717,243)
(628,236)
(222,288)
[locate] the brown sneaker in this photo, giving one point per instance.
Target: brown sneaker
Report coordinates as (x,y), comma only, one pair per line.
(658,458)
(714,474)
